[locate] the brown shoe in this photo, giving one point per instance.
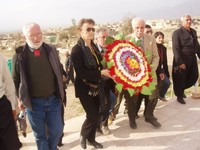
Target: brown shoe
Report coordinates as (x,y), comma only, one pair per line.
(105,130)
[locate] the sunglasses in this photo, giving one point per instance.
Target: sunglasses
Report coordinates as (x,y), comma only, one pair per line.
(90,29)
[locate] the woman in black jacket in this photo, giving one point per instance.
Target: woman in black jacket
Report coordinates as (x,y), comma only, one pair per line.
(163,79)
(87,65)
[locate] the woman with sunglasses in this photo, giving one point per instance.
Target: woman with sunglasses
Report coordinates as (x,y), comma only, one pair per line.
(87,64)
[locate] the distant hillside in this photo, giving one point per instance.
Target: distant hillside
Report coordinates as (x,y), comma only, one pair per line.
(186,7)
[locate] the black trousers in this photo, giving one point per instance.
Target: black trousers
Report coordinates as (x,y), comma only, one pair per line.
(183,79)
(8,132)
(132,105)
(133,100)
(107,105)
(91,107)
(139,102)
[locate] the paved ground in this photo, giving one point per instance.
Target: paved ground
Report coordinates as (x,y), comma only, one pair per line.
(180,130)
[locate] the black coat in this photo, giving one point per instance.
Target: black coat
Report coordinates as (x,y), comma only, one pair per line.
(185,47)
(184,43)
(82,72)
(162,65)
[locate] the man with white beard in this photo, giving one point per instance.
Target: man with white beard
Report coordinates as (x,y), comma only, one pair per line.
(39,86)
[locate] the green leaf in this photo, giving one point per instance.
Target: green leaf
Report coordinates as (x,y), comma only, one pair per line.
(110,64)
(109,40)
(103,62)
(132,40)
(119,87)
(146,91)
(147,56)
(153,74)
(120,36)
(131,91)
(152,86)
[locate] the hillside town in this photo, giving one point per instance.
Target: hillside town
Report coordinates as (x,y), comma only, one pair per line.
(64,38)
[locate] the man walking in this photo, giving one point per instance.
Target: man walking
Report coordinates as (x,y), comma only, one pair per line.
(39,86)
(146,43)
(185,47)
(8,132)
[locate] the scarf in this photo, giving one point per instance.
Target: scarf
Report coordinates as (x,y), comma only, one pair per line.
(91,58)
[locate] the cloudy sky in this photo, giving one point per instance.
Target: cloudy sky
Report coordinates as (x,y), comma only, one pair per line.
(54,13)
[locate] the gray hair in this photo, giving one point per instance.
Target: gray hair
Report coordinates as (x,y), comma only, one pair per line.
(136,20)
(28,26)
(182,18)
(100,30)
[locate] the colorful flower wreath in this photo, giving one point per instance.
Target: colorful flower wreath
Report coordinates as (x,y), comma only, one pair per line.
(129,66)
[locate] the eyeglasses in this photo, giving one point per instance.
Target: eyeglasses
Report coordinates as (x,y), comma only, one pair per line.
(103,37)
(188,19)
(90,29)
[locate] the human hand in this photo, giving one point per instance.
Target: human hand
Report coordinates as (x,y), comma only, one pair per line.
(182,66)
(20,104)
(106,73)
(162,76)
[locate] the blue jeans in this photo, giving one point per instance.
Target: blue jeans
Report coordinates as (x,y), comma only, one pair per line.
(163,86)
(45,120)
(113,101)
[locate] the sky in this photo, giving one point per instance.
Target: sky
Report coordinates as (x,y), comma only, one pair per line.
(59,13)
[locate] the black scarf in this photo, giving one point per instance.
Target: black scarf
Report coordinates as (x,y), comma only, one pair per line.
(89,58)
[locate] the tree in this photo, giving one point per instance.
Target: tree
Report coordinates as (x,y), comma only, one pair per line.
(126,26)
(63,36)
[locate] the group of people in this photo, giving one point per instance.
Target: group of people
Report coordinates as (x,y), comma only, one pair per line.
(37,84)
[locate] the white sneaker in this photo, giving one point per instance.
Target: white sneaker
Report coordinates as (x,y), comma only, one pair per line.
(105,130)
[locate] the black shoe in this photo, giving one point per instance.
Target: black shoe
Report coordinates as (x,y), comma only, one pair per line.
(24,134)
(83,142)
(181,100)
(154,122)
(155,118)
(133,124)
(60,144)
(95,144)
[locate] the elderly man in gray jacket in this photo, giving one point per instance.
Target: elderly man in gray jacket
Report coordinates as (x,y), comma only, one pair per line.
(39,86)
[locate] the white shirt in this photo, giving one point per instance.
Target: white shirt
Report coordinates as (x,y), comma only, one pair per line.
(6,82)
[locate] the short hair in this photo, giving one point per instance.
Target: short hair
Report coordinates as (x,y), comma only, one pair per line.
(135,20)
(182,18)
(85,20)
(147,26)
(28,26)
(158,34)
(100,30)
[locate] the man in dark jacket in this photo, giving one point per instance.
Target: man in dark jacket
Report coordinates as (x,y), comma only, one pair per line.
(39,86)
(185,47)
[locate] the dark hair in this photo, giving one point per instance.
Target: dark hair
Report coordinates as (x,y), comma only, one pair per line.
(85,20)
(158,33)
(147,26)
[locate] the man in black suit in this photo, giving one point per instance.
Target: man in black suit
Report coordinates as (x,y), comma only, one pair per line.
(185,47)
